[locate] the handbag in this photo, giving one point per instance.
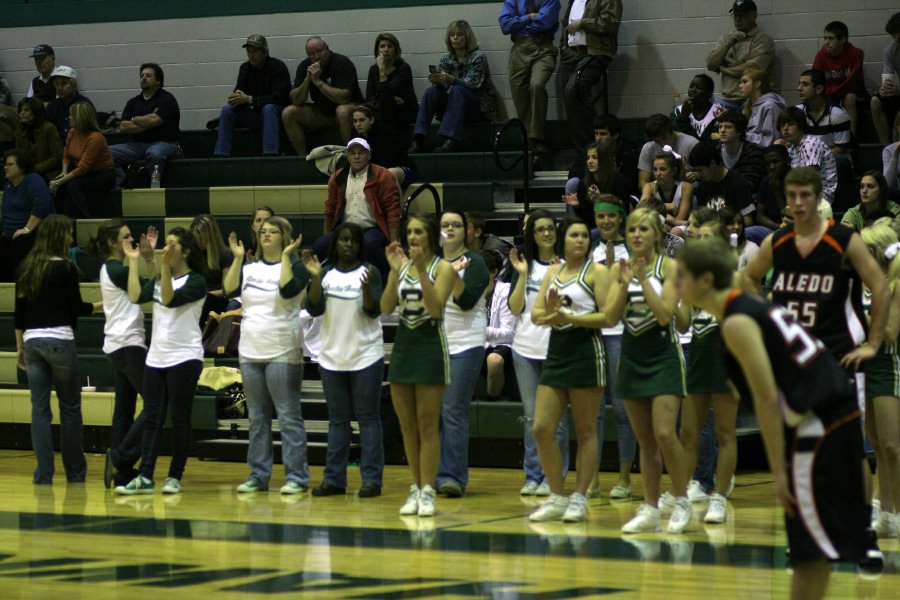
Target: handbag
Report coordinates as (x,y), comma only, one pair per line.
(222,334)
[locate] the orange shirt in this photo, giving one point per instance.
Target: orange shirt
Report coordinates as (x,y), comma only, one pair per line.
(88,152)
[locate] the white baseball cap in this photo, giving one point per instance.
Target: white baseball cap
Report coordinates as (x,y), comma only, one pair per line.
(358,141)
(63,71)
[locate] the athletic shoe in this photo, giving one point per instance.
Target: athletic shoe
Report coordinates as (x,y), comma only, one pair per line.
(327,489)
(872,566)
(250,486)
(681,516)
(552,509)
(292,488)
(666,504)
(886,525)
(645,521)
(695,492)
(451,489)
(730,488)
(369,489)
(171,486)
(411,506)
(108,469)
(529,489)
(594,490)
(577,509)
(876,510)
(620,492)
(543,489)
(138,485)
(715,512)
(426,501)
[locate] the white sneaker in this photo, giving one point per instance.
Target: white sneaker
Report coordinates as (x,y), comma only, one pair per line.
(426,501)
(577,509)
(886,526)
(529,489)
(620,492)
(171,486)
(715,512)
(543,489)
(411,506)
(552,509)
(666,504)
(681,516)
(594,490)
(695,492)
(876,511)
(646,520)
(730,488)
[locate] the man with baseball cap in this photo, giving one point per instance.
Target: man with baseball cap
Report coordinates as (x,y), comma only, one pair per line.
(65,81)
(44,62)
(257,100)
(368,195)
(747,46)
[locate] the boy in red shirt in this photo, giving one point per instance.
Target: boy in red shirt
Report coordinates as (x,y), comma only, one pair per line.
(842,63)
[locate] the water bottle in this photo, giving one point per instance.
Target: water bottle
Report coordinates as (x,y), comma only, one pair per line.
(734,240)
(155,177)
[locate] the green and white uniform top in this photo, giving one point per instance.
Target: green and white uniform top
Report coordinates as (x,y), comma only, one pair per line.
(639,319)
(886,348)
(621,251)
(577,295)
(410,300)
(465,318)
(124,325)
(531,340)
(702,323)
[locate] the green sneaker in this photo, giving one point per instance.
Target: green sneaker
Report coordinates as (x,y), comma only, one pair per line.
(138,485)
(171,486)
(250,486)
(292,487)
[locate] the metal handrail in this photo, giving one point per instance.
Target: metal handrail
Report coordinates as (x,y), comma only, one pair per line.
(523,158)
(422,188)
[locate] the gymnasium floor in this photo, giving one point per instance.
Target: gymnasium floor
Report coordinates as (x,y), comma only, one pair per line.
(81,542)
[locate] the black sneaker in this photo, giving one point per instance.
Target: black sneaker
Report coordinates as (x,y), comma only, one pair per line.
(872,565)
(369,489)
(326,489)
(451,489)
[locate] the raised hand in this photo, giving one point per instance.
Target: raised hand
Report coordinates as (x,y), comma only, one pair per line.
(152,237)
(418,257)
(610,253)
(132,253)
(236,246)
(639,268)
(292,248)
(593,193)
(570,199)
(625,272)
(518,262)
(366,278)
(395,256)
(170,255)
(461,265)
(312,264)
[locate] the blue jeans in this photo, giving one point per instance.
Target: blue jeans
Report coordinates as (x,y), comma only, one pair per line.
(52,361)
(707,455)
(528,374)
(454,107)
(374,243)
(354,393)
(626,438)
(127,432)
(269,120)
(155,154)
(275,386)
(171,387)
(464,370)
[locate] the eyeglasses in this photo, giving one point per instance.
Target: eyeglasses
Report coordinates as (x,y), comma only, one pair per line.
(456,225)
(545,229)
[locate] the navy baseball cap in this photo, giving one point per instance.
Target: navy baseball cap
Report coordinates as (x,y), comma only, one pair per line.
(743,6)
(42,50)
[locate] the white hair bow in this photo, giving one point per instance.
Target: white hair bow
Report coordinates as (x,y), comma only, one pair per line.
(891,251)
(671,151)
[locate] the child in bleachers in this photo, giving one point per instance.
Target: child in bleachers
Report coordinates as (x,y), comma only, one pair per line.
(501,324)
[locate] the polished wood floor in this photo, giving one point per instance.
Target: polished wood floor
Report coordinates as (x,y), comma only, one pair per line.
(81,542)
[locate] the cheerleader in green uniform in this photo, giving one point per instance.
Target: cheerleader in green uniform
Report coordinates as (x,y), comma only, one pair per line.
(651,367)
(573,374)
(883,383)
(419,286)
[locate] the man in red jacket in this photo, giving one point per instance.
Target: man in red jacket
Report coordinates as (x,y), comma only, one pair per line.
(842,63)
(365,194)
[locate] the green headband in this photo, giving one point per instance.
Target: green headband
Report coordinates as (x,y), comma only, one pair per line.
(608,207)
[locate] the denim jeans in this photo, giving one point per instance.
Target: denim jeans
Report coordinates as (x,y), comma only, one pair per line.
(52,361)
(170,387)
(528,374)
(374,243)
(454,107)
(348,394)
(464,370)
(269,120)
(626,438)
(155,154)
(126,434)
(275,387)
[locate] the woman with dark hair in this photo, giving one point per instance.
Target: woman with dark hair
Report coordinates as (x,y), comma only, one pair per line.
(347,292)
(175,358)
(48,304)
(669,187)
(256,220)
(38,138)
(271,352)
(389,88)
(874,203)
(87,173)
(418,287)
(733,222)
(124,342)
(600,177)
(26,202)
(461,90)
(216,259)
(387,150)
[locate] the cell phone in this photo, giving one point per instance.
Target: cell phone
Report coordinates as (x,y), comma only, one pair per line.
(433,69)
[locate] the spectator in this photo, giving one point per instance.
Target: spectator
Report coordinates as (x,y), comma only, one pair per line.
(367,195)
(65,80)
(842,63)
(151,118)
(389,88)
(479,240)
(745,47)
(808,150)
(87,173)
(330,80)
(886,102)
(501,324)
(626,152)
(531,25)
(38,138)
(460,92)
(737,153)
(761,109)
(890,157)
(696,116)
(387,150)
(256,220)
(828,121)
(600,177)
(216,260)
(874,204)
(669,188)
(26,202)
(45,62)
(720,186)
(589,42)
(259,96)
(769,198)
(660,133)
(9,119)
(733,225)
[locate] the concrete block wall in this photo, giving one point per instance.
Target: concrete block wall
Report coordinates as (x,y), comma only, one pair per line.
(663,44)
